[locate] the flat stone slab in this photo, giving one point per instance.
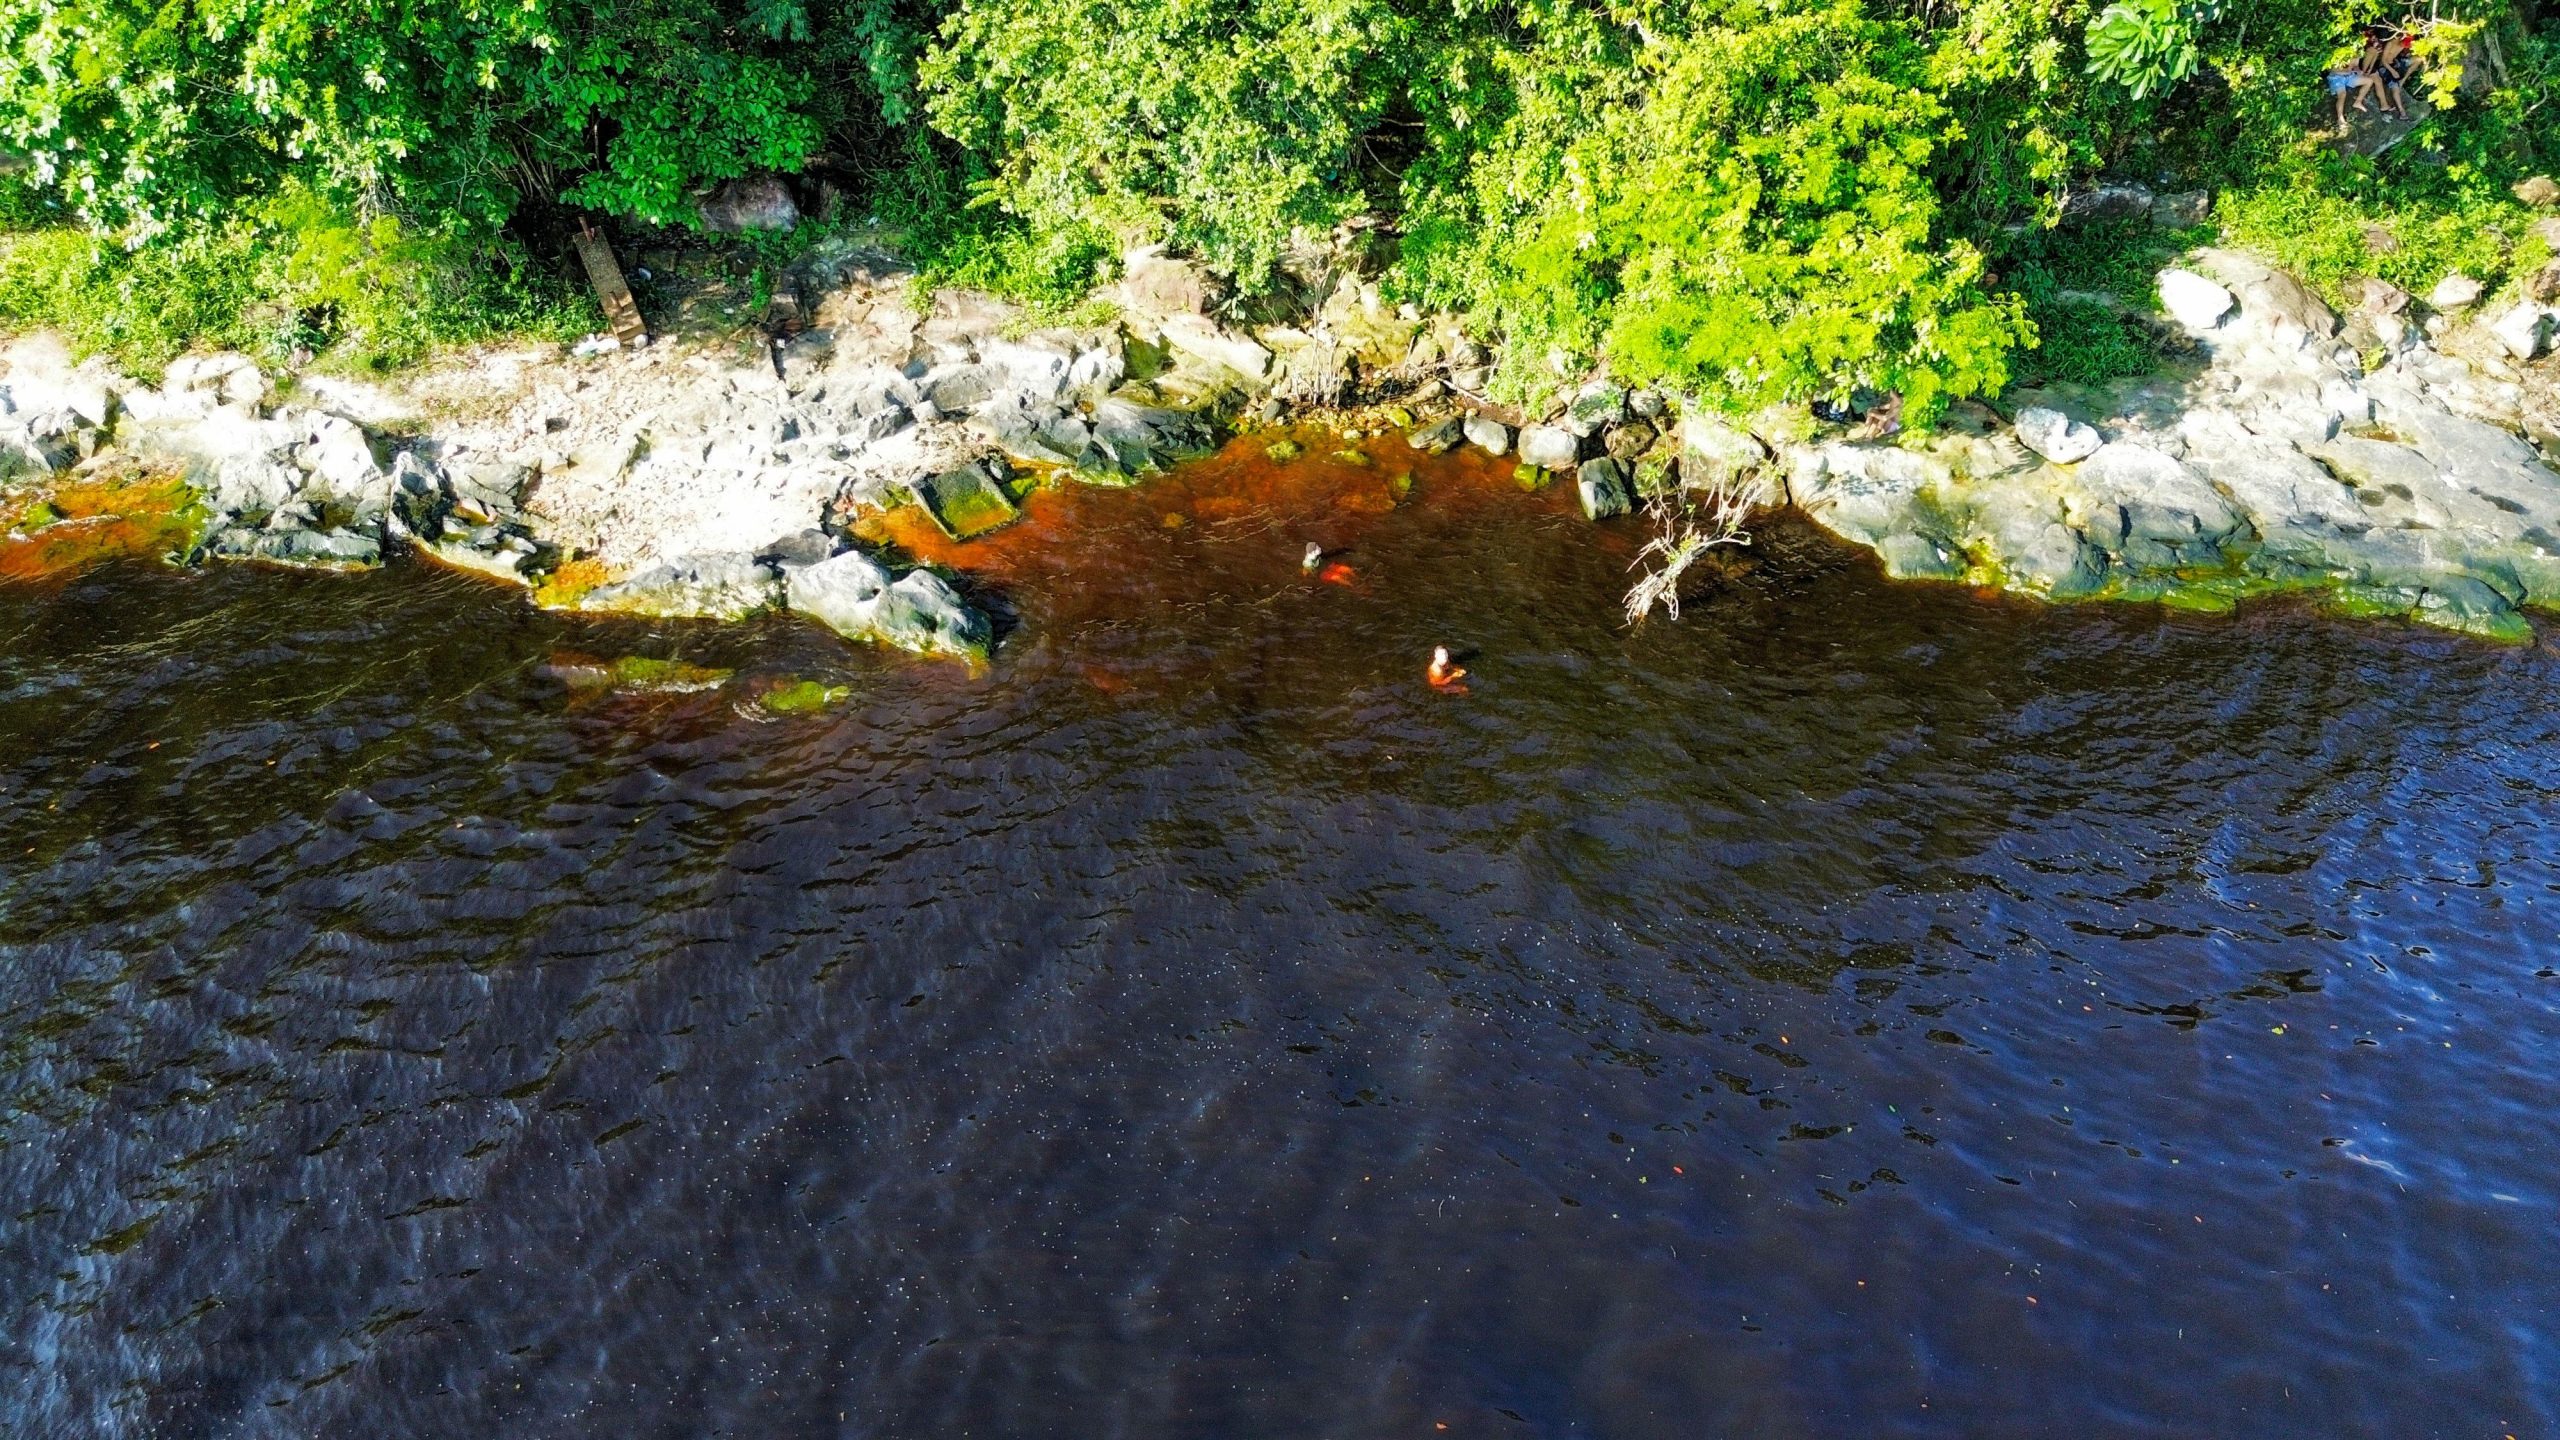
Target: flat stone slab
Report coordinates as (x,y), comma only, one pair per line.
(966,502)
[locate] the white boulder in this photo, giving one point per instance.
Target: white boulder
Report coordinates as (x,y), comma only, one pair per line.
(2455,291)
(2524,330)
(2056,436)
(2193,301)
(1550,447)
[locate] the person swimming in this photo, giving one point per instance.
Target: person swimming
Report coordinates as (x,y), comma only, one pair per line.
(1444,674)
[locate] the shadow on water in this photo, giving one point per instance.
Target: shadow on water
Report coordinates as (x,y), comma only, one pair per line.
(1855,1009)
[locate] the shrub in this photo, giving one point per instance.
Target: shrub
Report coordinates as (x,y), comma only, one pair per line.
(293,273)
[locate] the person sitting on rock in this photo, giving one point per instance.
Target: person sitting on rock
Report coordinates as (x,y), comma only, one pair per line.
(2398,61)
(2353,77)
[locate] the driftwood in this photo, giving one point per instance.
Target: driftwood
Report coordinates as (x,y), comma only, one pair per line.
(605,273)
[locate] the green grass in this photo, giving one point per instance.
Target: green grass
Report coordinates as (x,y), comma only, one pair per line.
(2087,289)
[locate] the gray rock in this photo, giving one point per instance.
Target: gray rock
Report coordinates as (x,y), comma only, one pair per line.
(252,485)
(495,555)
(2056,436)
(1202,340)
(959,389)
(2181,209)
(339,458)
(2042,554)
(2374,465)
(491,488)
(2381,297)
(1595,407)
(2467,604)
(853,595)
(2162,499)
(1139,438)
(40,445)
(756,202)
(1628,440)
(1151,283)
(1038,435)
(301,549)
(1439,437)
(1867,509)
(2107,202)
(1097,369)
(2193,301)
(2471,451)
(593,467)
(1550,447)
(1919,557)
(1037,368)
(2280,307)
(799,550)
(1604,489)
(1488,434)
(725,586)
(2275,484)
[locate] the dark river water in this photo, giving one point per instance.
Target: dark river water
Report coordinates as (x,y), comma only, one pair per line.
(1854,1010)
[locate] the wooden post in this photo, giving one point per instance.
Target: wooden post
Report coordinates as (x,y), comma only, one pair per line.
(603,272)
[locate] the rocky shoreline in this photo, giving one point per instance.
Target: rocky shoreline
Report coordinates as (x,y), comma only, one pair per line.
(2398,460)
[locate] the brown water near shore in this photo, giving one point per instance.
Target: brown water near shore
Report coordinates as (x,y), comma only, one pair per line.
(1853,1010)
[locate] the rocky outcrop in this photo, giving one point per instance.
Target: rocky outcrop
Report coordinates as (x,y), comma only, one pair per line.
(919,611)
(2280,463)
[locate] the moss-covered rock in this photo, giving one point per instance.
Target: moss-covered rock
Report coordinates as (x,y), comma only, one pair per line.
(803,697)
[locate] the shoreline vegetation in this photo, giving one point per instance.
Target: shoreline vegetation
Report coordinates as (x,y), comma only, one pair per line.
(2068,300)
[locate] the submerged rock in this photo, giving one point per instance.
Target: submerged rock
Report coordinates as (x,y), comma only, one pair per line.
(802,697)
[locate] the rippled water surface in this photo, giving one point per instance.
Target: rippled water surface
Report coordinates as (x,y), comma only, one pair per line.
(1854,1010)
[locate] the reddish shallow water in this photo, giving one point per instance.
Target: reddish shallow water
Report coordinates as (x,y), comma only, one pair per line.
(1853,1010)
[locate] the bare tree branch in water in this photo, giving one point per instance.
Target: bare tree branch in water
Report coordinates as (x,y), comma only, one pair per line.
(1689,522)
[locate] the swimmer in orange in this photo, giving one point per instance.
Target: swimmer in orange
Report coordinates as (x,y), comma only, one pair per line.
(1443,674)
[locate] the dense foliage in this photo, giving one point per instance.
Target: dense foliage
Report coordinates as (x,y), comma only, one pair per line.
(1754,199)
